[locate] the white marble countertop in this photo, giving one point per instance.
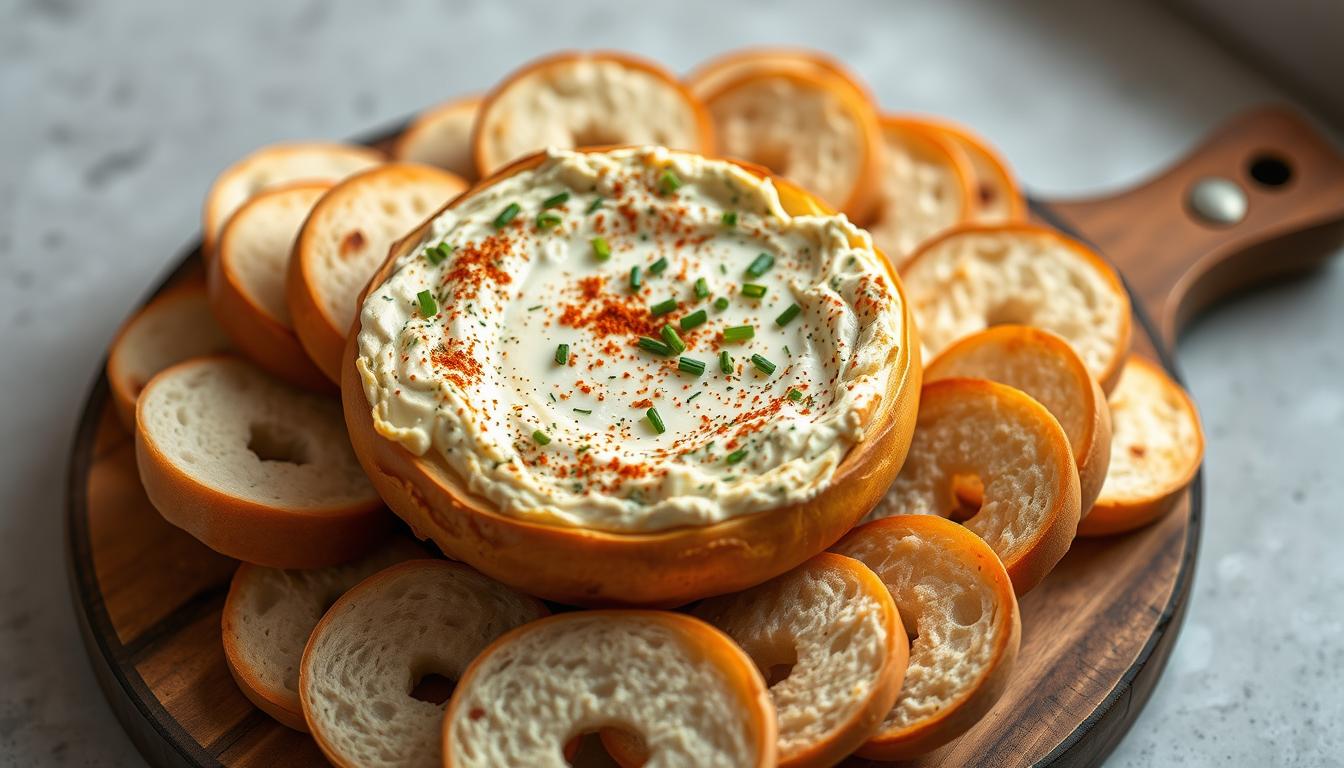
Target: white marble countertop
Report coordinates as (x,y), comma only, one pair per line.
(115,116)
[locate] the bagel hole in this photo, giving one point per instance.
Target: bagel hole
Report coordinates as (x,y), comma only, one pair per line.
(436,689)
(968,494)
(1010,312)
(590,747)
(271,443)
(966,609)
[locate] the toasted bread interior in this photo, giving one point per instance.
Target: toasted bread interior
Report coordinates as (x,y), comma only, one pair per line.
(924,188)
(256,244)
(1157,440)
(441,137)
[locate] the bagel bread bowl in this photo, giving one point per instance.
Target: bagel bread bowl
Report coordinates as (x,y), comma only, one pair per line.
(671,567)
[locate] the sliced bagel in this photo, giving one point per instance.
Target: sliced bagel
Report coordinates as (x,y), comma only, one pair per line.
(812,127)
(962,618)
(999,199)
(680,685)
(271,166)
(926,186)
(977,276)
(985,433)
(343,242)
(441,137)
(253,468)
(832,648)
(576,99)
(1156,449)
(1044,366)
(175,326)
(270,613)
(383,638)
(712,74)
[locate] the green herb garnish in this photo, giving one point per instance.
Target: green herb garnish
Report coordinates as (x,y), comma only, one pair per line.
(556,199)
(692,397)
(663,307)
(593,206)
(697,318)
(735,456)
(763,365)
(672,340)
(659,266)
(668,182)
(438,253)
(725,362)
(739,333)
(584,411)
(428,306)
(729,218)
(507,215)
(795,394)
(787,315)
(689,365)
(655,420)
(721,303)
(562,354)
(655,346)
(601,248)
(548,220)
(760,265)
(752,290)
(541,438)
(701,288)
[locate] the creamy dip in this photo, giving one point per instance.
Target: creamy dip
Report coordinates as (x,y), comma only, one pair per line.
(461,358)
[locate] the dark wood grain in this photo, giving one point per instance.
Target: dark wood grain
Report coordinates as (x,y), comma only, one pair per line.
(1096,633)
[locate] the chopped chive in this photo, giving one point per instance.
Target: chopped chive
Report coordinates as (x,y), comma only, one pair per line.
(694,320)
(739,333)
(584,411)
(535,307)
(763,365)
(656,420)
(562,354)
(428,306)
(548,220)
(787,315)
(438,253)
(730,218)
(635,280)
(541,438)
(689,365)
(692,397)
(508,214)
(721,303)
(795,394)
(752,290)
(735,456)
(659,266)
(701,288)
(552,396)
(725,362)
(601,248)
(760,265)
(672,340)
(556,199)
(663,307)
(593,206)
(655,346)
(668,182)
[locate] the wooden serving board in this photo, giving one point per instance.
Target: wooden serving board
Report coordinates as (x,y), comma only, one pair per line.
(1096,633)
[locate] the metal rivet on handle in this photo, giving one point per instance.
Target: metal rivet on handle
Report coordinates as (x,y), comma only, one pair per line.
(1217,200)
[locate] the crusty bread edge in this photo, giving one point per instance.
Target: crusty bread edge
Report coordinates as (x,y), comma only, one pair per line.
(266,698)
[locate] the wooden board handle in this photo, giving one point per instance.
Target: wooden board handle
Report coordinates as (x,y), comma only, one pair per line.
(1178,261)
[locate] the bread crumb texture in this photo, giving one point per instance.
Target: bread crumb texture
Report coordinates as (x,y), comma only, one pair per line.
(1155,435)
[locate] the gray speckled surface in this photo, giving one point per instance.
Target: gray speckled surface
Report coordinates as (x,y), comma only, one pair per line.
(114,117)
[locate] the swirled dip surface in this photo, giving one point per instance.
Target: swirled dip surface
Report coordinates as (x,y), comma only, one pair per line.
(458,350)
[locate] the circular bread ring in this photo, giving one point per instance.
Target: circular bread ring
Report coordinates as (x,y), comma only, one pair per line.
(1145,399)
(667,568)
(300,532)
(247,302)
(270,614)
(711,75)
(918,160)
(273,165)
(974,427)
(690,648)
(344,239)
(999,199)
(939,273)
(905,552)
(176,325)
(1044,366)
(855,196)
(495,117)
(441,137)
(468,613)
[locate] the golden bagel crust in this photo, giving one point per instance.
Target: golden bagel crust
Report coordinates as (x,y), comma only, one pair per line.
(254,330)
(1112,515)
(999,199)
(709,76)
(489,162)
(954,719)
(441,136)
(668,568)
(1092,447)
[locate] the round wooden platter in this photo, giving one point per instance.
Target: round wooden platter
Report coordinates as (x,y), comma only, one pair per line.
(1096,633)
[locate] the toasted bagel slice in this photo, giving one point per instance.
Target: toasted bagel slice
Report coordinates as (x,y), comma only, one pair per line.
(1044,366)
(441,137)
(812,127)
(925,187)
(978,431)
(680,685)
(343,242)
(272,166)
(830,695)
(709,76)
(577,99)
(253,468)
(998,197)
(175,326)
(360,670)
(961,615)
(246,281)
(975,276)
(1156,449)
(270,613)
